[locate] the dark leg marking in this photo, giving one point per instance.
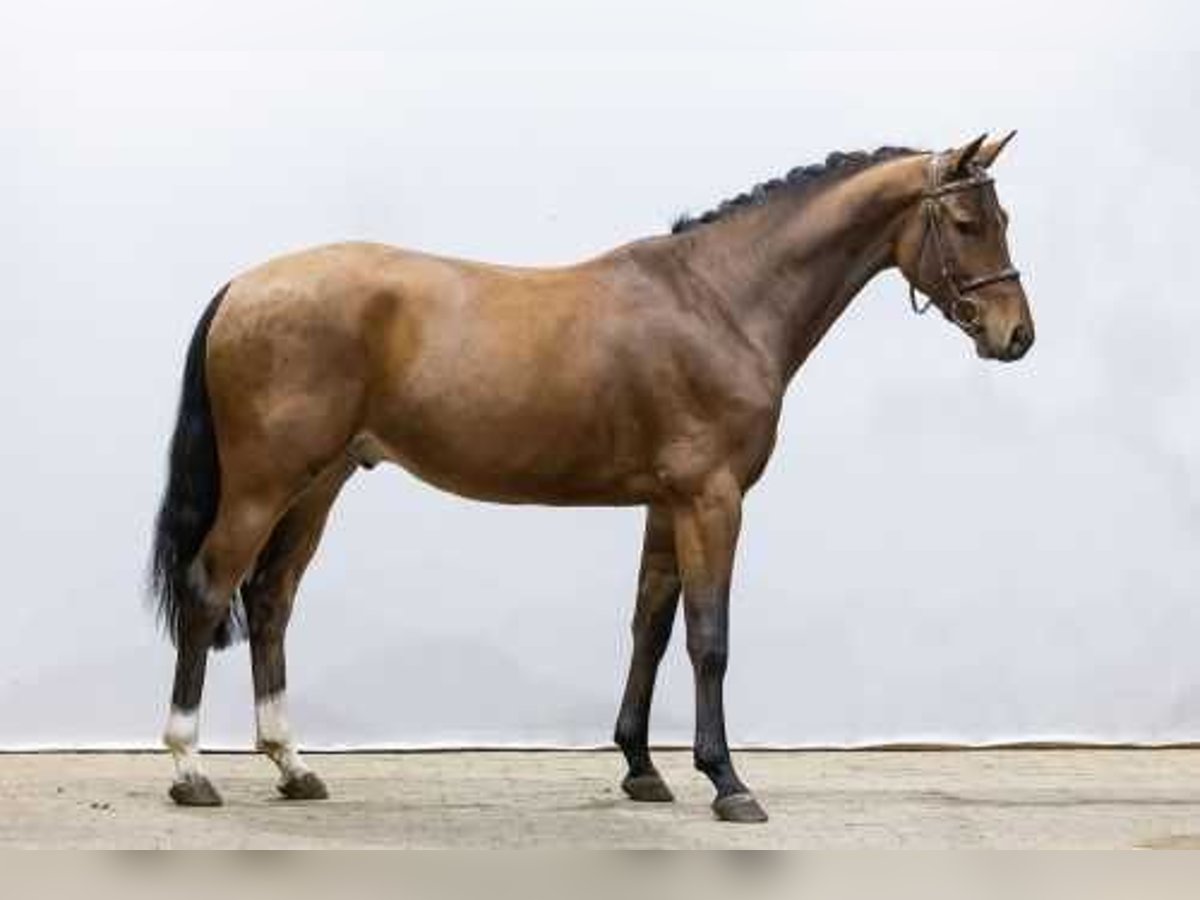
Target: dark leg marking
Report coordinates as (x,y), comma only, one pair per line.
(657,601)
(706,536)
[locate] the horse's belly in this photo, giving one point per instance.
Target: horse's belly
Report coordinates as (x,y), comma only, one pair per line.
(509,395)
(517,452)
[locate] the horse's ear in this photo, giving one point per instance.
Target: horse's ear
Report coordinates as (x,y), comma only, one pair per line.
(960,159)
(988,152)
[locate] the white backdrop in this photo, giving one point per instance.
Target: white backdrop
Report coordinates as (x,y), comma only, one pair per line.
(942,549)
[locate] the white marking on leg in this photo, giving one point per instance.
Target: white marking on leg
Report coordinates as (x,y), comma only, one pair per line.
(275,736)
(182,737)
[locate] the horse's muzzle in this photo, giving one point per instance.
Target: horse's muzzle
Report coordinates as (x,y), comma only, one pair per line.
(1019,343)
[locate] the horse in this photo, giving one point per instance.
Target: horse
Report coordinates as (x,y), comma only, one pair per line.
(652,375)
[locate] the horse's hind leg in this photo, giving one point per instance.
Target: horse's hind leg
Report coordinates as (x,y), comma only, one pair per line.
(657,600)
(268,598)
(243,523)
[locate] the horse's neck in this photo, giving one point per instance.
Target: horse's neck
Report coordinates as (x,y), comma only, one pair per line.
(788,269)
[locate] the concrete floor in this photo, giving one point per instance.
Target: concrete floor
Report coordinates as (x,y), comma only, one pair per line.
(892,799)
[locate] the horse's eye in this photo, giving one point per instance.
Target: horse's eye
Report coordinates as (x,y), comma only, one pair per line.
(968,225)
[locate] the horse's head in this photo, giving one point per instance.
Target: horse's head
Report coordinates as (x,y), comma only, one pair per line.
(953,248)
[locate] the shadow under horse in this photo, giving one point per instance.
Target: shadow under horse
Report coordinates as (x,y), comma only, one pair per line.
(652,375)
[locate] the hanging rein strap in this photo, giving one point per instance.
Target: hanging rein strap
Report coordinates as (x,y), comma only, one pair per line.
(932,208)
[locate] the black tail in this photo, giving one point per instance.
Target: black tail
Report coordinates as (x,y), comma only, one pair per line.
(189,504)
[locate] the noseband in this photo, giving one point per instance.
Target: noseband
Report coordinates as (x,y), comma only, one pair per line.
(959,288)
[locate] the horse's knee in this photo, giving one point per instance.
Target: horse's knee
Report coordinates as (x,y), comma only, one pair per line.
(653,616)
(709,653)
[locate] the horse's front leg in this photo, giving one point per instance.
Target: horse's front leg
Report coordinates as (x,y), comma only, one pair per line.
(657,600)
(706,532)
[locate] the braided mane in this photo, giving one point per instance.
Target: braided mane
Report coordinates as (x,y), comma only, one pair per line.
(801,179)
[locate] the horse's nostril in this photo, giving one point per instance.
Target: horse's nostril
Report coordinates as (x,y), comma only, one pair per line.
(1019,341)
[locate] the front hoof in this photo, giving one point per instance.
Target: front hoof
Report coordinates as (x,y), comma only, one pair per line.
(306,786)
(195,790)
(647,788)
(742,808)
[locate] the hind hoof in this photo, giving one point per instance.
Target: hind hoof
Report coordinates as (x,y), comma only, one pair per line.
(195,790)
(306,786)
(741,808)
(647,788)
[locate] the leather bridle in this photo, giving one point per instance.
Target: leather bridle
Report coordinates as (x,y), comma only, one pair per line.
(963,310)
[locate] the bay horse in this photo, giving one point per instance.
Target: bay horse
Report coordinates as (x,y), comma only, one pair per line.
(652,375)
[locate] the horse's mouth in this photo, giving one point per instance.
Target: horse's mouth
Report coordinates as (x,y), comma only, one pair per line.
(1007,355)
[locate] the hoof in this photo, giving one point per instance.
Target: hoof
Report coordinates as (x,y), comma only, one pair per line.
(306,786)
(739,808)
(195,790)
(647,788)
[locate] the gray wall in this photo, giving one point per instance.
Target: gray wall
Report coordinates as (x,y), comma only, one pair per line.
(942,549)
